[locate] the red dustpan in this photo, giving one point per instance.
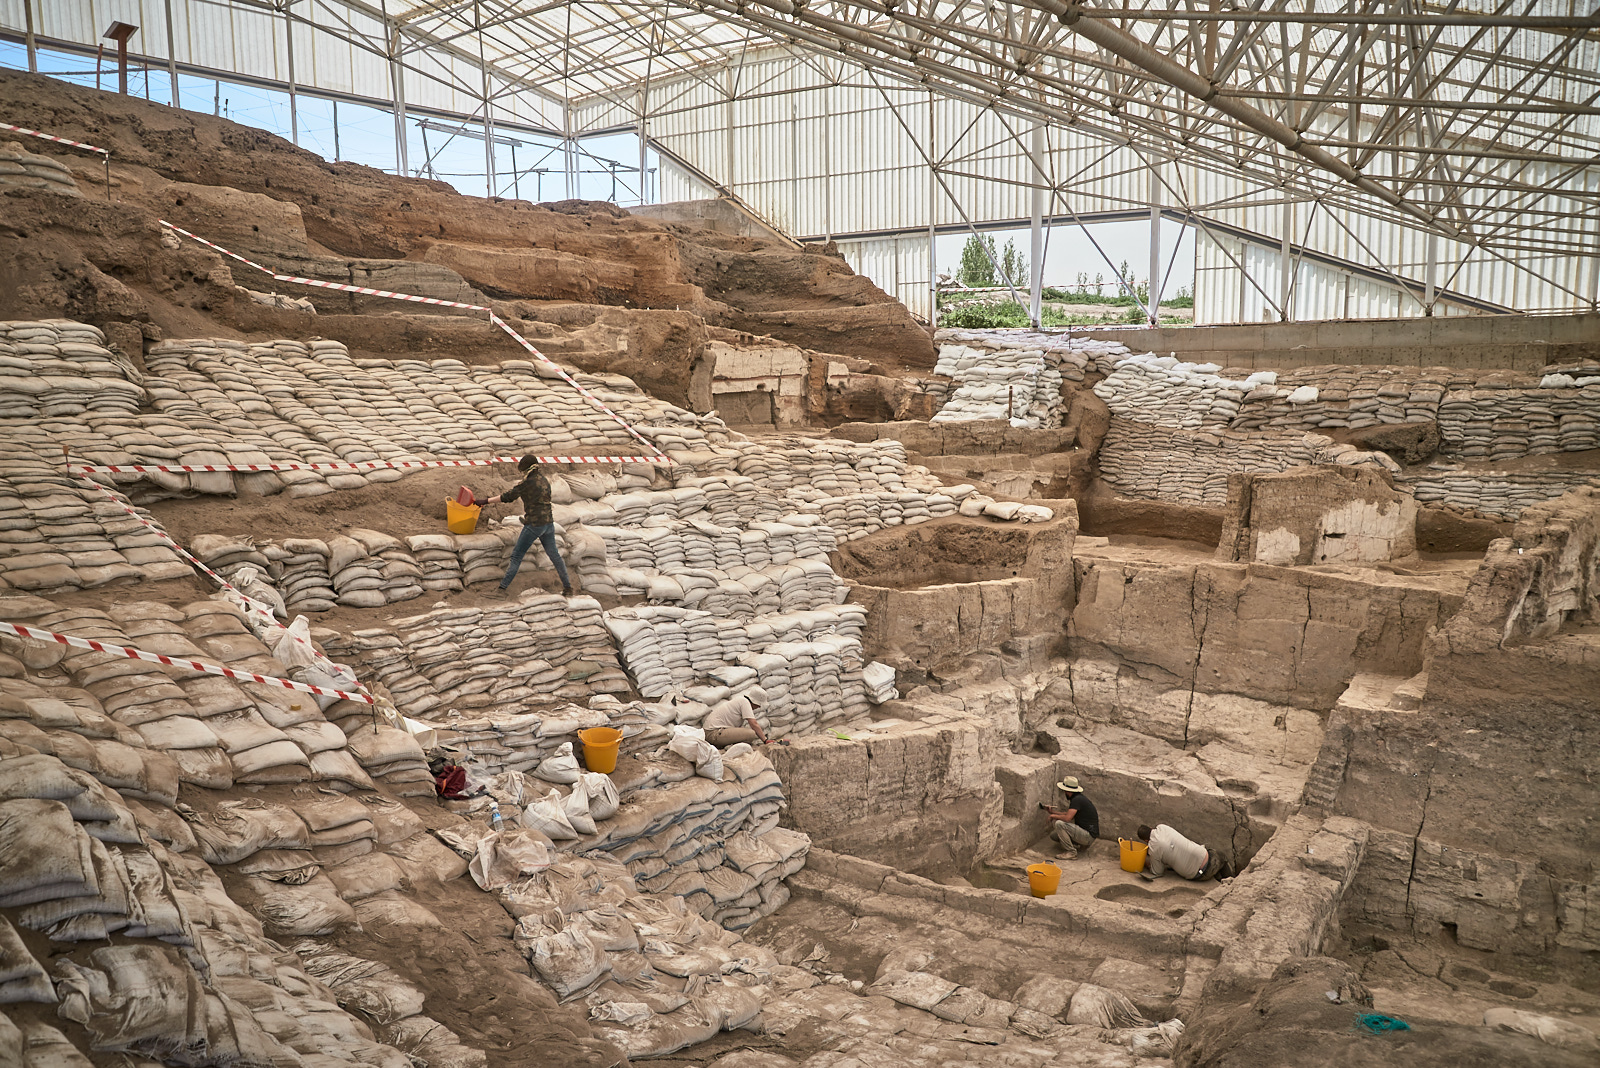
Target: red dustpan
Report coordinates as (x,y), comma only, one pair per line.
(464,497)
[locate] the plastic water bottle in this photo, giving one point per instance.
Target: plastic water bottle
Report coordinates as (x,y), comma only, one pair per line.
(494,816)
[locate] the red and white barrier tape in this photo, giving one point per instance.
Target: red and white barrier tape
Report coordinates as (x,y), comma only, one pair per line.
(660,457)
(53,137)
(113,497)
(375,465)
(21,631)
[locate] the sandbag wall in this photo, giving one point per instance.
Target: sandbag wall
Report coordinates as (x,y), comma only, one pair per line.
(93,845)
(1492,416)
(225,402)
(541,648)
(1192,466)
(1022,369)
(161,727)
(362,568)
(56,367)
(809,663)
(22,169)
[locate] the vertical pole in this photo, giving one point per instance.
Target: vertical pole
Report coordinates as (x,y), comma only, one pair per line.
(216,98)
(336,131)
(122,66)
(644,141)
(172,57)
(794,154)
(288,36)
(516,175)
(488,119)
(1286,290)
(1429,295)
(33,47)
(397,81)
(1036,230)
(827,165)
(732,177)
(1153,302)
(933,269)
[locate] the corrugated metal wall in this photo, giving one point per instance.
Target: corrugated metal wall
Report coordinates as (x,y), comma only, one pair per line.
(1224,294)
(255,42)
(820,159)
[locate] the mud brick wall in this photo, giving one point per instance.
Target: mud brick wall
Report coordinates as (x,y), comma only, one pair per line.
(1280,635)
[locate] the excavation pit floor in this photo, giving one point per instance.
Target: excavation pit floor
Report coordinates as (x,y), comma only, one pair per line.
(1094,873)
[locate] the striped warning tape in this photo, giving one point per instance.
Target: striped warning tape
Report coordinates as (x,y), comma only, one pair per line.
(131,653)
(590,397)
(120,502)
(375,465)
(659,457)
(53,137)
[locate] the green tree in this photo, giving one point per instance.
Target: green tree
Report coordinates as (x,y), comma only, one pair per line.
(977,262)
(1014,265)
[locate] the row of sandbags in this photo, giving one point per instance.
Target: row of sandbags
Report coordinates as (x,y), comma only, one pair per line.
(809,662)
(513,741)
(330,408)
(54,368)
(1017,379)
(538,648)
(200,729)
(56,534)
(1495,415)
(1501,494)
(1192,466)
(21,169)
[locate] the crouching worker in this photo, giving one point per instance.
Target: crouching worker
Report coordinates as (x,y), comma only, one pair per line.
(1078,825)
(538,523)
(1169,849)
(738,719)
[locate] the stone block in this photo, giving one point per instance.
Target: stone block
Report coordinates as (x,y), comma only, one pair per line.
(1025,781)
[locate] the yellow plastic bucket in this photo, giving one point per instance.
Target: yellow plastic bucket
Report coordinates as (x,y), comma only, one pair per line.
(1043,879)
(1133,854)
(600,748)
(460,518)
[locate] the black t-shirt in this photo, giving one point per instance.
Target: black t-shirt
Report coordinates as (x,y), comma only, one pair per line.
(1087,818)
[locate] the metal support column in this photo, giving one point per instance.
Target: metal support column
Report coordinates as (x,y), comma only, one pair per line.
(1286,289)
(288,34)
(172,57)
(488,119)
(398,88)
(1430,270)
(644,142)
(933,242)
(1153,286)
(33,47)
(1036,229)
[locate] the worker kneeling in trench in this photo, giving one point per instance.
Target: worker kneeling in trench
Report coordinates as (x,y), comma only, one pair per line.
(1169,849)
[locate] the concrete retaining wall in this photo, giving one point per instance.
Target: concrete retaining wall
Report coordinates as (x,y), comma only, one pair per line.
(1523,342)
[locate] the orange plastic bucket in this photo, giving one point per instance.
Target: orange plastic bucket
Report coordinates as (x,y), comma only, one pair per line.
(1133,854)
(600,748)
(1043,879)
(460,519)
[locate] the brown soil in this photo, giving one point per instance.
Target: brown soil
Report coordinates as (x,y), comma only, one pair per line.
(1102,513)
(261,195)
(953,549)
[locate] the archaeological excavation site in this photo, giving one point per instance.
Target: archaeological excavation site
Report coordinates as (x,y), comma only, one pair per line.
(699,603)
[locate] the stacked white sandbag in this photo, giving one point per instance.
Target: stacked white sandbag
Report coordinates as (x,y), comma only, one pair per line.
(539,648)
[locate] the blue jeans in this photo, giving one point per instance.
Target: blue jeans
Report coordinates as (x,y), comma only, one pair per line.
(546,536)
